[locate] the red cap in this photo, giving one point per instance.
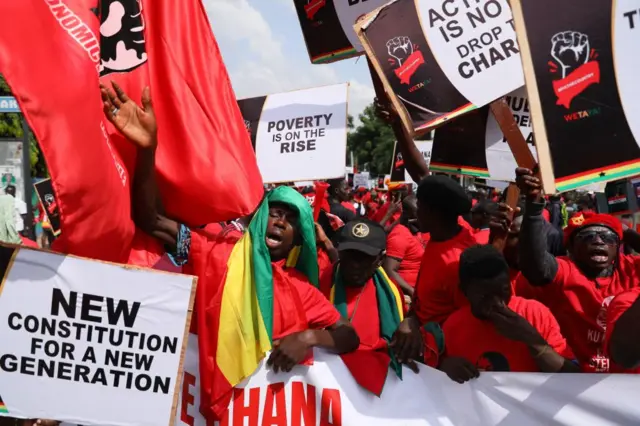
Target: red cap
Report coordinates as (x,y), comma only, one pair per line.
(582,220)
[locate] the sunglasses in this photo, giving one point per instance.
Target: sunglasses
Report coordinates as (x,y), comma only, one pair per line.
(589,236)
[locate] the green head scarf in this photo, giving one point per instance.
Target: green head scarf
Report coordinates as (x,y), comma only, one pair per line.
(303,257)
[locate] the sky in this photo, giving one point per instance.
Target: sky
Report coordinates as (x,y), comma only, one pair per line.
(264,51)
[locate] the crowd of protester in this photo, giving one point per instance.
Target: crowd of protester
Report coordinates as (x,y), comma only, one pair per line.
(414,275)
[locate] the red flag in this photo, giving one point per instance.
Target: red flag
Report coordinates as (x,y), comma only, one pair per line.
(207,170)
(56,84)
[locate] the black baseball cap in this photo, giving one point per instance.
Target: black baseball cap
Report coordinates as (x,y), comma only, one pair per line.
(363,235)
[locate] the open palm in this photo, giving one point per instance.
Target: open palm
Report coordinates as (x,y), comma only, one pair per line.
(136,123)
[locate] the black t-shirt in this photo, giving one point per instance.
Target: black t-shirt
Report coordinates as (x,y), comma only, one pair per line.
(342,212)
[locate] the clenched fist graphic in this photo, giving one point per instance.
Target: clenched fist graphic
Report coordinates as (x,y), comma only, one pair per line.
(571,50)
(400,48)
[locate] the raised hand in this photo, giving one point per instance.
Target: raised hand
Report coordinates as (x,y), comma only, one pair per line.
(530,186)
(400,48)
(137,124)
(570,49)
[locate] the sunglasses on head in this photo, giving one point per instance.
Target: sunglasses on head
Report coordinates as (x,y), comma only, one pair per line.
(590,235)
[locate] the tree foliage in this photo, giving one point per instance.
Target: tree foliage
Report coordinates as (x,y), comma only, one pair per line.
(11,127)
(371,142)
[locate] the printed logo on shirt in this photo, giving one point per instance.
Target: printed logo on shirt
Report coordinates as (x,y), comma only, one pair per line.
(574,62)
(492,361)
(601,319)
(122,43)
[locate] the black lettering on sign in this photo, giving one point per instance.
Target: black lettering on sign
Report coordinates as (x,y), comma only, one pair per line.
(91,306)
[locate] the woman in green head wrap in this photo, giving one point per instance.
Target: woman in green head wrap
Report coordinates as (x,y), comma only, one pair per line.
(278,256)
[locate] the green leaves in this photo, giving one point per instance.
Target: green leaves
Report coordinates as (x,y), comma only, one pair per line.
(371,142)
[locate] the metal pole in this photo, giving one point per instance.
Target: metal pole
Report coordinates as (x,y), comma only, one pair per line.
(28,186)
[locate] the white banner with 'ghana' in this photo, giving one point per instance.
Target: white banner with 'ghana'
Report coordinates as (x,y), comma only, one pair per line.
(326,394)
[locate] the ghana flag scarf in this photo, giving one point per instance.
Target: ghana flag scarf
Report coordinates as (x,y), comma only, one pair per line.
(390,315)
(243,309)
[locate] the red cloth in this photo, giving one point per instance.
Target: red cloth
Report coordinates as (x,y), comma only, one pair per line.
(61,102)
(580,221)
(618,306)
(349,206)
(408,249)
(546,215)
(29,243)
(522,288)
(478,341)
(482,236)
(297,304)
(204,151)
(437,294)
(580,306)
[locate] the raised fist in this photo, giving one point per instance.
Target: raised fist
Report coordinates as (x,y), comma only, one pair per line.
(571,50)
(400,48)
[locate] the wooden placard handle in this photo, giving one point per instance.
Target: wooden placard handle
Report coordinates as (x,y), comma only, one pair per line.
(512,133)
(513,195)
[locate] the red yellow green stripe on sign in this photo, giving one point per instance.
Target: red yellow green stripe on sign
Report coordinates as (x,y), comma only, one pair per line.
(446,117)
(3,407)
(459,170)
(616,171)
(334,56)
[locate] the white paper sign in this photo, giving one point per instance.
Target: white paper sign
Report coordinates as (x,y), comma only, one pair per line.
(425,148)
(424,399)
(475,44)
(302,135)
(361,180)
(500,160)
(349,11)
(89,342)
(626,45)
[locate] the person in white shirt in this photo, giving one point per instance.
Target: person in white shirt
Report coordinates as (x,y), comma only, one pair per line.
(20,207)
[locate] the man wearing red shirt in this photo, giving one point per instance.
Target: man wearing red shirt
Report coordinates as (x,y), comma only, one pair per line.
(302,317)
(498,331)
(405,248)
(480,217)
(579,288)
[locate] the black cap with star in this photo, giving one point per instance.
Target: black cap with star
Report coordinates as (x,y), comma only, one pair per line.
(363,235)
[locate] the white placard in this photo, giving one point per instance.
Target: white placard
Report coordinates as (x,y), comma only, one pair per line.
(361,179)
(626,45)
(500,160)
(89,342)
(302,135)
(425,148)
(475,44)
(349,11)
(425,399)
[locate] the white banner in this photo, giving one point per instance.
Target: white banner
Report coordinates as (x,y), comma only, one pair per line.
(475,44)
(89,342)
(500,160)
(302,135)
(326,394)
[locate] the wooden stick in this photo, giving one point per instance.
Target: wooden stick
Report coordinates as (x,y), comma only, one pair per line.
(512,133)
(513,195)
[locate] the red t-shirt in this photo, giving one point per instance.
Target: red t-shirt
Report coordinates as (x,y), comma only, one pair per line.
(522,288)
(408,248)
(364,316)
(580,306)
(478,341)
(618,306)
(437,294)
